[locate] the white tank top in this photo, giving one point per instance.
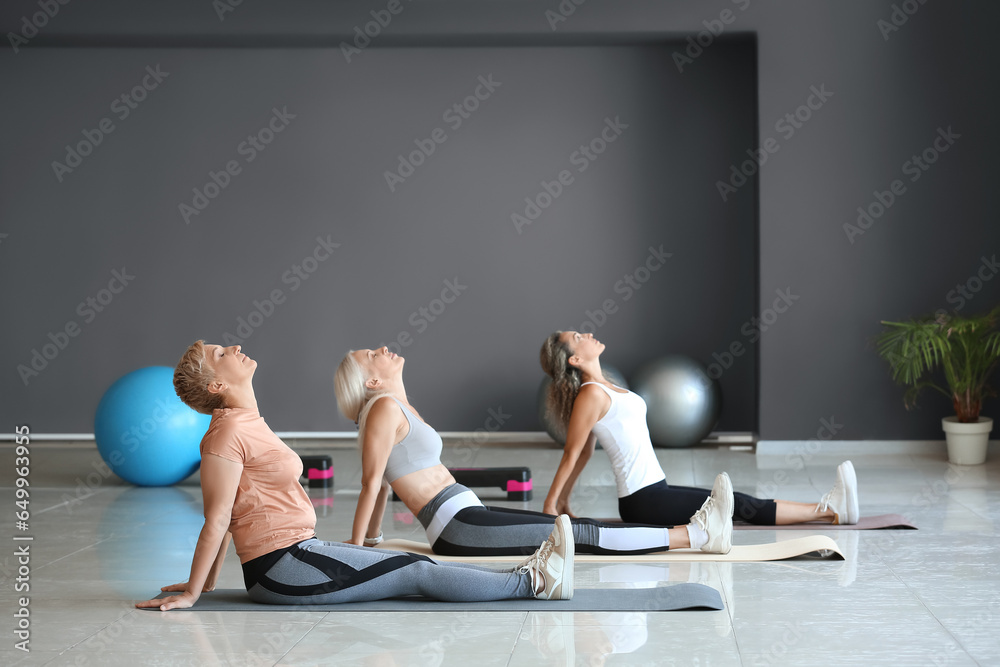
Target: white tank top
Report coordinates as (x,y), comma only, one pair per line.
(623,433)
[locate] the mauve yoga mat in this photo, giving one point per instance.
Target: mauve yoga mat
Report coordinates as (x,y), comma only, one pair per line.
(675,597)
(878,522)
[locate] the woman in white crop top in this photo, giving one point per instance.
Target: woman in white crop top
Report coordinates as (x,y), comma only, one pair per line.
(399,450)
(592,409)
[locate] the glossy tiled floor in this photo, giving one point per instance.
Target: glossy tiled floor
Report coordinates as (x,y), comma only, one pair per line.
(902,597)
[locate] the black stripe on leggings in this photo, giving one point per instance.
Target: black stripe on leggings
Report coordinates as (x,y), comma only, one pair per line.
(341,575)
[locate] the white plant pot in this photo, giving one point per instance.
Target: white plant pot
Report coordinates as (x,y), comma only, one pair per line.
(967,442)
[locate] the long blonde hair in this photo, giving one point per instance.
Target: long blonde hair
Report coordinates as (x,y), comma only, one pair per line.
(354,399)
(566,381)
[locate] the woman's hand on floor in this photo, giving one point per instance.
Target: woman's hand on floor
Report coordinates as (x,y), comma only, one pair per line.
(561,508)
(182,601)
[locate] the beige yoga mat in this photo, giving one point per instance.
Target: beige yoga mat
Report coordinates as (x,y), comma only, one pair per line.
(821,546)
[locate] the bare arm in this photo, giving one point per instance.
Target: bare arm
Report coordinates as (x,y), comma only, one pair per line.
(375,524)
(220,558)
(588,407)
(219,480)
(380,435)
(562,502)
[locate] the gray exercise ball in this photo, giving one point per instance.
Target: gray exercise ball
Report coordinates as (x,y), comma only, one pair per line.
(683,403)
(610,372)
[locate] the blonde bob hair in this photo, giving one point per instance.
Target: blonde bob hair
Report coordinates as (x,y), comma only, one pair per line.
(354,399)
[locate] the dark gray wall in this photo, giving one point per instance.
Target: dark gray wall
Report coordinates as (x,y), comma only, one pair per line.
(444,233)
(891,93)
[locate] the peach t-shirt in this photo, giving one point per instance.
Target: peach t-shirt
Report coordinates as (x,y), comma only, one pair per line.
(271,510)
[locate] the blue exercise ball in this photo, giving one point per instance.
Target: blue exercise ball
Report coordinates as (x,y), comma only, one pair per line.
(610,372)
(683,403)
(145,434)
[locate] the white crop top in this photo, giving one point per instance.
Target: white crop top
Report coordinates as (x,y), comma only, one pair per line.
(623,433)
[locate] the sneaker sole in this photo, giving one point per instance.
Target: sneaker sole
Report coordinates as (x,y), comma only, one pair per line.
(728,511)
(729,495)
(564,528)
(851,482)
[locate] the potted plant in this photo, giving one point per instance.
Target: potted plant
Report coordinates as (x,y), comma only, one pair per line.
(967,348)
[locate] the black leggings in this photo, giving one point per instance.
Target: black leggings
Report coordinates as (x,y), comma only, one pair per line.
(475,530)
(502,531)
(663,505)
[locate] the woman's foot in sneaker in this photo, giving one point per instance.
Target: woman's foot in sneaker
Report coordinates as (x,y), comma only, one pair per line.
(551,567)
(715,518)
(842,499)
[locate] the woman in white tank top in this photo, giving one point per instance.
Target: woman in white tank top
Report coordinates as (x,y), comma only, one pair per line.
(592,409)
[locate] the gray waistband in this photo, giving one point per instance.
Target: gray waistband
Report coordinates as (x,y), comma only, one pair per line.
(426,514)
(437,513)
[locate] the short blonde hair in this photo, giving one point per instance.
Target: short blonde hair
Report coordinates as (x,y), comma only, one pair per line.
(192,377)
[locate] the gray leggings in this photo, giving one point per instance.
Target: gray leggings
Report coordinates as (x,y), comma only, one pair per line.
(316,572)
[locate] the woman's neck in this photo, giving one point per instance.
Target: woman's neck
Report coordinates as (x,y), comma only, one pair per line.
(240,397)
(394,387)
(592,372)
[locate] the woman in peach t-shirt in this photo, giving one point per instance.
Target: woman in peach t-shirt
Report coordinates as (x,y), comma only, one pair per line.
(252,495)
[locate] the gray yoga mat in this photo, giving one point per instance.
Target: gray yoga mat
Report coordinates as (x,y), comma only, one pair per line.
(676,597)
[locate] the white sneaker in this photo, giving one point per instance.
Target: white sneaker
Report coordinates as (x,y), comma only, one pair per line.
(716,517)
(551,567)
(843,497)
